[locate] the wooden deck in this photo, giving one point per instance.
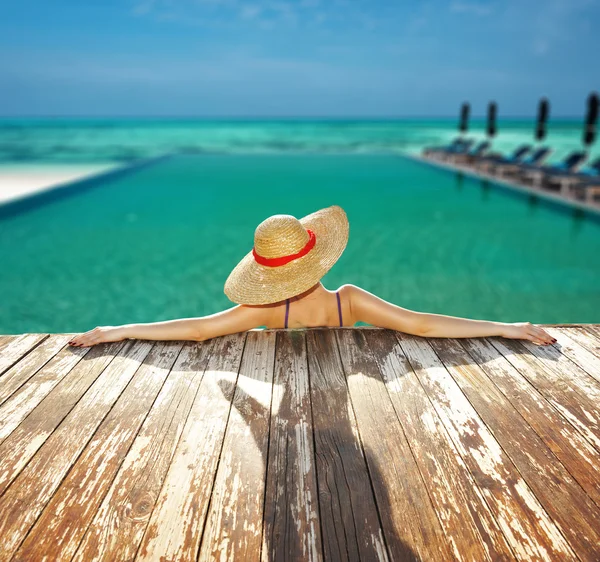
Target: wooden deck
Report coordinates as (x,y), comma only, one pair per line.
(321,444)
(562,196)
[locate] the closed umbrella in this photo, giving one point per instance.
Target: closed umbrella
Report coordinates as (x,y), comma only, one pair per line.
(491,121)
(463,125)
(589,131)
(543,112)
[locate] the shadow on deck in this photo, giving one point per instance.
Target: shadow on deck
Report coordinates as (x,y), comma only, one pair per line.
(319,444)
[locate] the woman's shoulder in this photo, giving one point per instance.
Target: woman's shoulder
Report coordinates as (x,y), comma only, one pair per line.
(349,290)
(349,295)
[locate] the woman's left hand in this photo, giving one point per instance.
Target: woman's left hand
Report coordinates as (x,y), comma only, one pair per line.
(101,334)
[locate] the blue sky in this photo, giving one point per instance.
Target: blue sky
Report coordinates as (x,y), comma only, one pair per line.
(302,58)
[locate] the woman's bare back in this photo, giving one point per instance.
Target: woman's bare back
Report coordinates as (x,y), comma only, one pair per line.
(317,309)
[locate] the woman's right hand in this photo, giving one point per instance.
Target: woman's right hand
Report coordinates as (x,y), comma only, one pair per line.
(527,331)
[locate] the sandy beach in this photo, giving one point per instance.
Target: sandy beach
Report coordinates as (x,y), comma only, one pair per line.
(20,180)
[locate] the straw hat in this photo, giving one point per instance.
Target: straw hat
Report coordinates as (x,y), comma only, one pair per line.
(289,256)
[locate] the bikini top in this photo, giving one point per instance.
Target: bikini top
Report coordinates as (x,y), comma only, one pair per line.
(287,310)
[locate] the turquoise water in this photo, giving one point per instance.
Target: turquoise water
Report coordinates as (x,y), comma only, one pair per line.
(125,140)
(159,243)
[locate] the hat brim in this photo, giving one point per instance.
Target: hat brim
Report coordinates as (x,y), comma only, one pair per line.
(252,283)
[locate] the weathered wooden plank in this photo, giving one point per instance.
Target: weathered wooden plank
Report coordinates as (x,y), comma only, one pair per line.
(561,364)
(410,524)
(65,519)
(572,510)
(28,396)
(32,432)
(575,345)
(348,531)
(175,527)
(30,492)
(16,347)
(556,386)
(594,329)
(525,524)
(5,340)
(291,529)
(583,337)
(463,513)
(118,526)
(573,450)
(30,364)
(233,528)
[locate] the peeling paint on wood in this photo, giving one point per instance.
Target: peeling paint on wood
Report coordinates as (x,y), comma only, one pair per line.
(28,396)
(118,526)
(175,528)
(574,451)
(30,364)
(320,444)
(530,532)
(38,481)
(464,515)
(15,347)
(291,529)
(572,510)
(67,516)
(18,448)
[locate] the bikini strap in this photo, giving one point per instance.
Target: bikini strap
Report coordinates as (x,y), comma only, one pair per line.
(287,311)
(337,294)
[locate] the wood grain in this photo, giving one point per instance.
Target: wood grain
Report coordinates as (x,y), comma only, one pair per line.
(20,446)
(37,482)
(26,397)
(563,499)
(561,390)
(291,525)
(580,348)
(320,444)
(527,527)
(30,364)
(118,526)
(65,519)
(15,347)
(580,458)
(233,529)
(342,474)
(175,528)
(466,520)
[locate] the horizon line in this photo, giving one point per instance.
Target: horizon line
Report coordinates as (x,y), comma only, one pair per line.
(271,117)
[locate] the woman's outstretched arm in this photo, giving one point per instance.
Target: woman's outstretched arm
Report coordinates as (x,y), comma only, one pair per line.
(237,319)
(367,307)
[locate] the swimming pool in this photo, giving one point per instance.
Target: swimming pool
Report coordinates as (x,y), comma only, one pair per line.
(158,243)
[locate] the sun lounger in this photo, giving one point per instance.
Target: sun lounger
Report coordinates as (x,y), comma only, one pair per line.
(588,190)
(535,159)
(457,146)
(487,163)
(467,157)
(587,176)
(568,166)
(427,151)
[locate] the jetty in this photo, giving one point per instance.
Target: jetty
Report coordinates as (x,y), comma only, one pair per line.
(320,444)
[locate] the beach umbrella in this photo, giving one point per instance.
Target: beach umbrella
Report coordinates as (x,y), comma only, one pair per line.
(543,111)
(491,121)
(589,131)
(463,125)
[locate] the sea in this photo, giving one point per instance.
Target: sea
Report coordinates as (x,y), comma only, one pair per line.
(99,140)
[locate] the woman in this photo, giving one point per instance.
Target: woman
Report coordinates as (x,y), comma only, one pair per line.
(278,285)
